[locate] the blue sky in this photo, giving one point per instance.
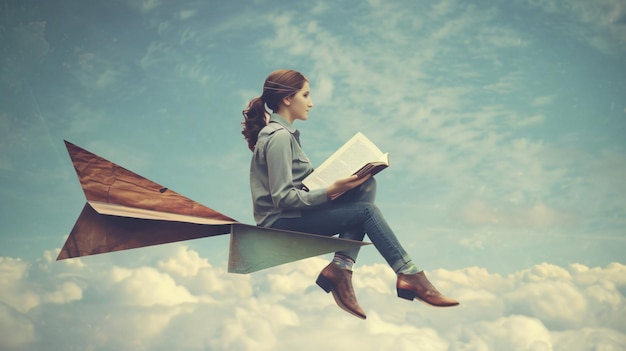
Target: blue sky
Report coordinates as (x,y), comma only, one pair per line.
(504,121)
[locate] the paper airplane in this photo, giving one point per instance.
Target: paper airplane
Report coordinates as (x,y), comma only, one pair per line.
(126,211)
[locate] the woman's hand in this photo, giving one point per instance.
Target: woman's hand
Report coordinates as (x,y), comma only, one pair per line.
(340,186)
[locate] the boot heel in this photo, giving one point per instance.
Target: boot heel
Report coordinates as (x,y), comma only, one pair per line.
(324,283)
(406,294)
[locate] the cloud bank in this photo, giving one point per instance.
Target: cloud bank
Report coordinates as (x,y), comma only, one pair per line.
(184,302)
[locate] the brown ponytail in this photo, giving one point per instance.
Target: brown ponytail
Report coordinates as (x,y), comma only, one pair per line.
(278,85)
(254,121)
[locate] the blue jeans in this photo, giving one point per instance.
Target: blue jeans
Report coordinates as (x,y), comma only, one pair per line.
(352,215)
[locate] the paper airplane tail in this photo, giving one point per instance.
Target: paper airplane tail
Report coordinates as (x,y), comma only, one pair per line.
(97,233)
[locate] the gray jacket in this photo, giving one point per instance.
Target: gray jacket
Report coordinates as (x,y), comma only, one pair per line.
(276,172)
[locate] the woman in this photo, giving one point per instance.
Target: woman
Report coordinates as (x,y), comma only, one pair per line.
(276,172)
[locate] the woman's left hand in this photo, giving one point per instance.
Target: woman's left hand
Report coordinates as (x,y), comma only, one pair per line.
(340,186)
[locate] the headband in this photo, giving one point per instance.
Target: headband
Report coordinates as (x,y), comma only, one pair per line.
(281,87)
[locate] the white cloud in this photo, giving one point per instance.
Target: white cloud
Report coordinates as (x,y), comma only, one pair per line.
(17,330)
(403,337)
(13,275)
(615,272)
(542,272)
(604,293)
(560,305)
(131,328)
(508,333)
(590,339)
(13,270)
(540,308)
(146,286)
(255,326)
(184,263)
(64,293)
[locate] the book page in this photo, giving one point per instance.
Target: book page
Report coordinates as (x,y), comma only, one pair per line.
(351,157)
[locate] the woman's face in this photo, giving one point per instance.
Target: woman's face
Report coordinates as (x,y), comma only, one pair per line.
(300,103)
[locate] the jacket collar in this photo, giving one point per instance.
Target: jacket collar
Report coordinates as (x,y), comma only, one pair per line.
(275,117)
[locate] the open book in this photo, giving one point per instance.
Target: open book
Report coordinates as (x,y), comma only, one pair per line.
(357,156)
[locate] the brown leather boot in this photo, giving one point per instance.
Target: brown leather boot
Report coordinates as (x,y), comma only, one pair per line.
(410,286)
(339,281)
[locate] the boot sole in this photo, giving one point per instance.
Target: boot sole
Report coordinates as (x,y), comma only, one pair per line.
(410,295)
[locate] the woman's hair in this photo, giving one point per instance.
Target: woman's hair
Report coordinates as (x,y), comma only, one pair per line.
(278,85)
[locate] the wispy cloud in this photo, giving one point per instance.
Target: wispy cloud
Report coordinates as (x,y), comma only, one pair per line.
(145,6)
(599,24)
(186,14)
(445,94)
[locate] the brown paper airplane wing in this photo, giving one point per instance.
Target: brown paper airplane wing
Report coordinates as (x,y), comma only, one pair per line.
(125,210)
(105,182)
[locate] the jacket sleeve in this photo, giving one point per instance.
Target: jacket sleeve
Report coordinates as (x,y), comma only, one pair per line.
(285,195)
